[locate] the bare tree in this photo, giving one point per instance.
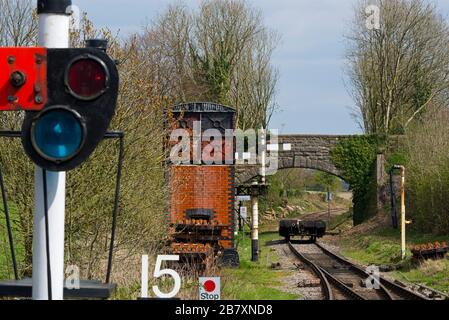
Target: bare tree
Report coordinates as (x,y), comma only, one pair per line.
(220,53)
(254,83)
(18,23)
(166,43)
(398,70)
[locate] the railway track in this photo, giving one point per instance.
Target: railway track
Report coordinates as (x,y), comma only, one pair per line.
(342,280)
(322,215)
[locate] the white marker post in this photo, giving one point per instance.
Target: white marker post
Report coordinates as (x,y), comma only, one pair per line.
(144,277)
(54,22)
(255,222)
(404,221)
(263,164)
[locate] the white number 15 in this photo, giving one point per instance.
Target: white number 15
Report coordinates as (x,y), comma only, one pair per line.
(170,272)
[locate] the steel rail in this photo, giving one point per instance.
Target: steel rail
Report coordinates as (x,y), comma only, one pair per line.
(325,286)
(337,282)
(402,291)
(385,284)
(325,276)
(311,214)
(355,268)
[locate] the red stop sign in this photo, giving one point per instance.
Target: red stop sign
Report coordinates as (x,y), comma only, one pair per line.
(209,286)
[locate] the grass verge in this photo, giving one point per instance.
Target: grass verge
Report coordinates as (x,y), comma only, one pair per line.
(255,280)
(382,247)
(6,268)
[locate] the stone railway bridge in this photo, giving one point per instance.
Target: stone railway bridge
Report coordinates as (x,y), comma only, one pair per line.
(313,152)
(307,152)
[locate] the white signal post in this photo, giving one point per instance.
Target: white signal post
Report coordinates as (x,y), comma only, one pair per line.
(263,155)
(403,221)
(53,33)
(255,198)
(255,222)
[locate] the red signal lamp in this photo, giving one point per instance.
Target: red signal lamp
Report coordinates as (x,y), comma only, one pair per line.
(87,77)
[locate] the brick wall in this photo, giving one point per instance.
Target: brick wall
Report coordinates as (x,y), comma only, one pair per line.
(203,187)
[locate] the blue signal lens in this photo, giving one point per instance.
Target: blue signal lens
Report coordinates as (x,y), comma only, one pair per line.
(58,134)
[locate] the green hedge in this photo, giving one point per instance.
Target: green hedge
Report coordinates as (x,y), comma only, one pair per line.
(356,158)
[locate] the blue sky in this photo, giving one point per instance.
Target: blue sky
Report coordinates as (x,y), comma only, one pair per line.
(312,94)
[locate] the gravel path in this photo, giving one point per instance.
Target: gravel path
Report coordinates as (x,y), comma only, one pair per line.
(302,281)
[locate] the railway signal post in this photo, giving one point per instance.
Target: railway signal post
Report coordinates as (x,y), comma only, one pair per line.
(54,22)
(257,189)
(69,96)
(404,221)
(255,222)
(255,192)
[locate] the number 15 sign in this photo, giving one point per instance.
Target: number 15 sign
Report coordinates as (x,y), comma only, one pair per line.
(158,272)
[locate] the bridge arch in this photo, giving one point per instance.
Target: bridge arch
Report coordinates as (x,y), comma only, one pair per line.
(299,151)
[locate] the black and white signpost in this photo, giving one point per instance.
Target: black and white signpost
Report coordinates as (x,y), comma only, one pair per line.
(255,222)
(54,23)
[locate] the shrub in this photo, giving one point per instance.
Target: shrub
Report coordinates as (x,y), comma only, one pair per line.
(427,172)
(356,158)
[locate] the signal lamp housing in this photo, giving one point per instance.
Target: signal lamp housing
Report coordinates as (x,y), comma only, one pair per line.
(82,88)
(86,77)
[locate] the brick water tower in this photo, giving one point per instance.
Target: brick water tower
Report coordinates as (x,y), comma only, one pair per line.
(201,184)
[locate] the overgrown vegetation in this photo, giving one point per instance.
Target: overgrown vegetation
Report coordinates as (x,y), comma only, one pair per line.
(426,157)
(221,52)
(400,82)
(89,201)
(356,157)
(383,247)
(6,264)
(289,185)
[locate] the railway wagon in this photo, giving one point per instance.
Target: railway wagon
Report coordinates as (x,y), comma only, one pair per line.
(202,190)
(297,228)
